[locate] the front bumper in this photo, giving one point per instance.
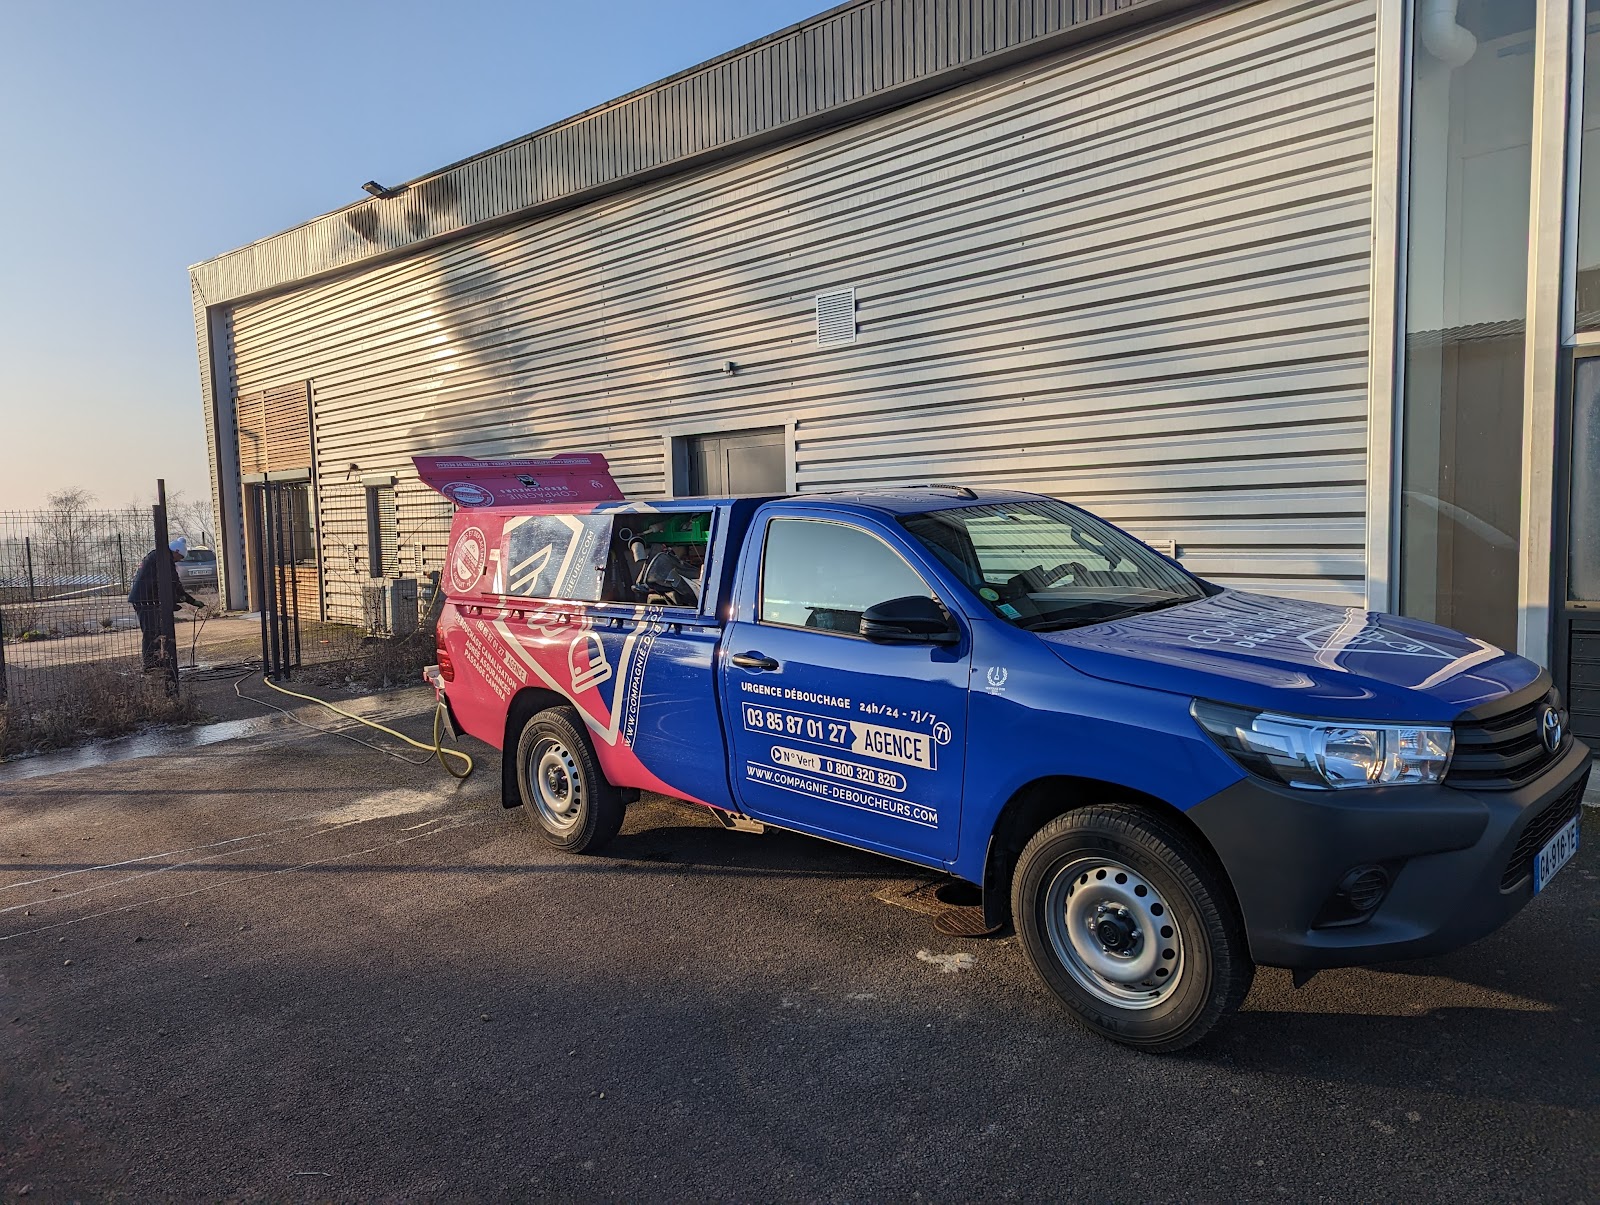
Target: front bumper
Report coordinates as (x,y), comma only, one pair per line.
(1447,853)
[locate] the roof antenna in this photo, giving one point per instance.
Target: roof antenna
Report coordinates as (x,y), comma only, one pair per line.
(961,491)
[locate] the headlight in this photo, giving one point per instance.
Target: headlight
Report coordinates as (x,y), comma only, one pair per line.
(1327,753)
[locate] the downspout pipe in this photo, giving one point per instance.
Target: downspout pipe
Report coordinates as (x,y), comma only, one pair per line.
(1446,41)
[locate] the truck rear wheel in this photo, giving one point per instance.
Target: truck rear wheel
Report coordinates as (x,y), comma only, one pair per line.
(1128,922)
(566,798)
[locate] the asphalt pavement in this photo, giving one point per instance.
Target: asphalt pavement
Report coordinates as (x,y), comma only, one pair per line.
(286,967)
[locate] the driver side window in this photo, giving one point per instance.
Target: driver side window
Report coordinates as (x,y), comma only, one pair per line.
(822,575)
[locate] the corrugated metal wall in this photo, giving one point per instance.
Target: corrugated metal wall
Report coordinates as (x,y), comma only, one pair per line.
(1134,275)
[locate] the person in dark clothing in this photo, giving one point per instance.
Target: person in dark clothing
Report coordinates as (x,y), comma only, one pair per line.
(146,597)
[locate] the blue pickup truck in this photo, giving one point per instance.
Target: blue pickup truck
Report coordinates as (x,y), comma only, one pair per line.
(1160,782)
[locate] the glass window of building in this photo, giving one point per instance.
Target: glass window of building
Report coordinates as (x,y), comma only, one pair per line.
(1588,285)
(1583,537)
(1583,554)
(1466,300)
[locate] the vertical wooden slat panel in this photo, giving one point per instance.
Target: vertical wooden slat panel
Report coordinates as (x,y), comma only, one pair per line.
(275,429)
(252,427)
(287,416)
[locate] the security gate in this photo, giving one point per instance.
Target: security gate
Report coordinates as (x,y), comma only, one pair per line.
(283,569)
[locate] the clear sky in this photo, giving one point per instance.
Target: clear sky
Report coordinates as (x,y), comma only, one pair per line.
(138,137)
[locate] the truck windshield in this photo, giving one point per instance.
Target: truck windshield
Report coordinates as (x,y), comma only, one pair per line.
(1044,565)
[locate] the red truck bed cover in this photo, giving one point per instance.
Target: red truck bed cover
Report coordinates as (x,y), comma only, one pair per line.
(468,482)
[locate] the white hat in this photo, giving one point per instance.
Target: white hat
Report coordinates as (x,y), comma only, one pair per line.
(180,546)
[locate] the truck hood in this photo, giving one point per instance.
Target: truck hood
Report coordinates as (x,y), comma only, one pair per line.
(1298,657)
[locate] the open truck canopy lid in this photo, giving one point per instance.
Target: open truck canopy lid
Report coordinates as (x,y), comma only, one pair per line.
(468,482)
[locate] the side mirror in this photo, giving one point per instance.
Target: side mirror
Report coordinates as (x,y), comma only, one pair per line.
(914,619)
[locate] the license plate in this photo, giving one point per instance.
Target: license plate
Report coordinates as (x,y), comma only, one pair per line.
(1557,853)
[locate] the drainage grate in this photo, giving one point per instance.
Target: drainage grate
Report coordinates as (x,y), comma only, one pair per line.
(964,922)
(836,317)
(955,908)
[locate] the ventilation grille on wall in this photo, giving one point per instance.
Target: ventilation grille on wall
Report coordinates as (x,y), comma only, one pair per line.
(836,317)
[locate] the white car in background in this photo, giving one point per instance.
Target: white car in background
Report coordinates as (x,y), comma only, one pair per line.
(198,569)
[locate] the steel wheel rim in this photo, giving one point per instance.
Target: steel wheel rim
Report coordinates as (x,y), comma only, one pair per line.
(1114,933)
(557,785)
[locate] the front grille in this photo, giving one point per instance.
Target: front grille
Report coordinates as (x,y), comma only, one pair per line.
(1501,752)
(1540,829)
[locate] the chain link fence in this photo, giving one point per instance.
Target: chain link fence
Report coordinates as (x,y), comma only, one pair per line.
(71,651)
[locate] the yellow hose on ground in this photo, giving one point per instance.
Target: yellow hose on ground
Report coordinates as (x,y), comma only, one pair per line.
(437,748)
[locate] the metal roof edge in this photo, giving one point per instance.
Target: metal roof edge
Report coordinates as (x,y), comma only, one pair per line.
(570,119)
(595,153)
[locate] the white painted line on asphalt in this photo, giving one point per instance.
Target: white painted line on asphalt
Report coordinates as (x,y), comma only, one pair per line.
(381,805)
(464,822)
(154,870)
(948,964)
(172,853)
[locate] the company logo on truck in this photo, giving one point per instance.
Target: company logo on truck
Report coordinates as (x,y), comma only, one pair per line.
(469,558)
(1550,729)
(467,493)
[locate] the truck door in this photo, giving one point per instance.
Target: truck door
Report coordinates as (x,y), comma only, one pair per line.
(831,733)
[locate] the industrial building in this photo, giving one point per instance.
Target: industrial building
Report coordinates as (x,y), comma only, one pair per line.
(1305,288)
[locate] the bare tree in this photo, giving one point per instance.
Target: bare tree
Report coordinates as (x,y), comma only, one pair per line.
(65,530)
(187,517)
(190,517)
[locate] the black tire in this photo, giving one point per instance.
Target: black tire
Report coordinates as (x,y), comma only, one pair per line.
(1129,922)
(564,795)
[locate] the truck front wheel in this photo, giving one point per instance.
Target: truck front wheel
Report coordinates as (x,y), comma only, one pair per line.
(1130,925)
(566,798)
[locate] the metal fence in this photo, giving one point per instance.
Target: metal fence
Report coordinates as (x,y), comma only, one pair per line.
(348,580)
(411,528)
(64,613)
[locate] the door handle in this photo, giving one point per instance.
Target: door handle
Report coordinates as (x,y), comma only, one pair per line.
(753,661)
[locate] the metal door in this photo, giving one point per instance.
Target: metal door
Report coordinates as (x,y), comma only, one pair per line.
(737,462)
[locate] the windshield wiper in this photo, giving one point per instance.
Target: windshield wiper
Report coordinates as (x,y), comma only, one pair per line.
(1160,605)
(1056,625)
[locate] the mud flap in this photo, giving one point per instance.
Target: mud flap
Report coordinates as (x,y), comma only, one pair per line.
(450,725)
(738,822)
(432,675)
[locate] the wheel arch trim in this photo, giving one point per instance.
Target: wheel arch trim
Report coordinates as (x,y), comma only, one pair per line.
(524,705)
(1036,803)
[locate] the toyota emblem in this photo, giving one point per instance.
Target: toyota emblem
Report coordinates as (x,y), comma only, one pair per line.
(1550,729)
